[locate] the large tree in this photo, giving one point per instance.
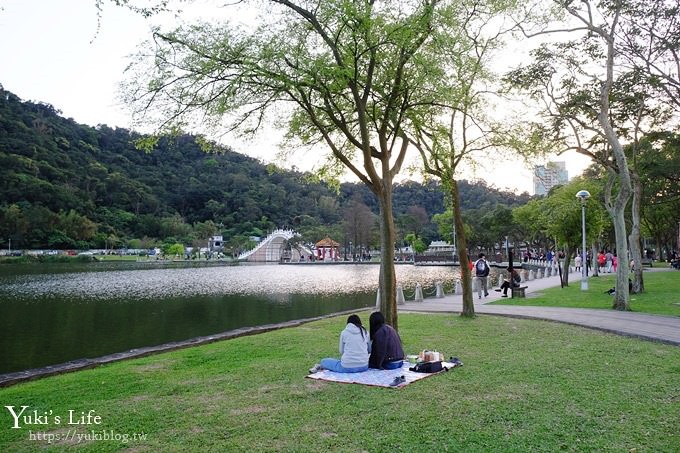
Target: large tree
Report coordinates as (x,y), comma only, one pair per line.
(595,103)
(460,128)
(337,73)
(359,226)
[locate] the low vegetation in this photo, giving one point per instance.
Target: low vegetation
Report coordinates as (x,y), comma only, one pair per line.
(29,259)
(525,386)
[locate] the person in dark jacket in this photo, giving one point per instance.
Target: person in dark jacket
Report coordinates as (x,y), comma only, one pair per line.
(386,350)
(514,283)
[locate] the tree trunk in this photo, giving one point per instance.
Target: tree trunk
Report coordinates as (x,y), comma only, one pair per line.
(616,211)
(388,277)
(595,268)
(466,275)
(565,265)
(616,207)
(621,297)
(634,238)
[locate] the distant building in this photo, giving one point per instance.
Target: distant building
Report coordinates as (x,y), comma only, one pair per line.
(216,244)
(440,248)
(548,176)
(327,250)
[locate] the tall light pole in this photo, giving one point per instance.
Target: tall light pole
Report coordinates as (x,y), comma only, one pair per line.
(583,195)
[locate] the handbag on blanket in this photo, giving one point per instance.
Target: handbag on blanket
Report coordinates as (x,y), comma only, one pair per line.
(427,367)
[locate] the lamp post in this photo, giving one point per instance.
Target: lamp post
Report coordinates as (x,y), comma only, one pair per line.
(583,195)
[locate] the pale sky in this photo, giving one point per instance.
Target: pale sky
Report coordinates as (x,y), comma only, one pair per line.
(50,51)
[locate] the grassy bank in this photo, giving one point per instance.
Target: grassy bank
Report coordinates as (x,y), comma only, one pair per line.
(43,259)
(525,386)
(661,296)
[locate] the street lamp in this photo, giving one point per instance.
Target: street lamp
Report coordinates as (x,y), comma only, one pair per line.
(583,195)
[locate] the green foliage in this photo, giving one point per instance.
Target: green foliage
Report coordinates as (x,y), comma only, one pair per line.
(173,250)
(559,214)
(444,222)
(103,192)
(416,243)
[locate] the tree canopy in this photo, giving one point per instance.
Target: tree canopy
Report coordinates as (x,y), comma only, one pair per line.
(59,178)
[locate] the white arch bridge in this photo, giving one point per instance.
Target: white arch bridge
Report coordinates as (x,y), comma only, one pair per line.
(273,247)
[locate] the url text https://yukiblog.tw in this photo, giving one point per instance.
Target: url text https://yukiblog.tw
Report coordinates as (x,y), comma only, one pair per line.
(73,436)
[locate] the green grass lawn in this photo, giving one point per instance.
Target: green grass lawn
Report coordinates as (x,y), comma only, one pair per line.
(661,296)
(525,386)
(122,258)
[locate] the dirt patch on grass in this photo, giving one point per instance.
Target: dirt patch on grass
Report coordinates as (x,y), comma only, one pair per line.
(248,410)
(314,385)
(138,398)
(154,366)
(269,388)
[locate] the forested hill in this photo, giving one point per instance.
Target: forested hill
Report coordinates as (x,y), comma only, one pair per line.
(68,185)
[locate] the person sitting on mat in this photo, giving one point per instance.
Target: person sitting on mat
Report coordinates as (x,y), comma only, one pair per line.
(355,348)
(516,280)
(386,350)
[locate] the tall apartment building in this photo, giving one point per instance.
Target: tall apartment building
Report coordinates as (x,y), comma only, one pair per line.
(548,176)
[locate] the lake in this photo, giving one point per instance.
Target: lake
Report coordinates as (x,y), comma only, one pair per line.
(51,314)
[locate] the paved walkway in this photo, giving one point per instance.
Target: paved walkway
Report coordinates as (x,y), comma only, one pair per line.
(665,329)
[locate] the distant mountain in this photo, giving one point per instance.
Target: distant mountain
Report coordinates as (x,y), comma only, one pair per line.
(68,185)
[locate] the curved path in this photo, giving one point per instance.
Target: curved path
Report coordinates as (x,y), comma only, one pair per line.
(665,329)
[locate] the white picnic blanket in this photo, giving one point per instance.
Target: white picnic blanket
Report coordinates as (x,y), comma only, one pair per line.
(380,378)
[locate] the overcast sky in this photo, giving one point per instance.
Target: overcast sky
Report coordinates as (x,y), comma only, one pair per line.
(50,51)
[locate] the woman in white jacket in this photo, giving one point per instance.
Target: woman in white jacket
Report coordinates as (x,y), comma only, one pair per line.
(355,348)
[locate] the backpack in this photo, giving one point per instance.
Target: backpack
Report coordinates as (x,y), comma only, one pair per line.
(482,268)
(428,367)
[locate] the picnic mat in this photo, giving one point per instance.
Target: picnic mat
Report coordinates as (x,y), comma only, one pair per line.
(379,378)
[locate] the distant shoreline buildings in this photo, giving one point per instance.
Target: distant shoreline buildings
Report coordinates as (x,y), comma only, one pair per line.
(548,176)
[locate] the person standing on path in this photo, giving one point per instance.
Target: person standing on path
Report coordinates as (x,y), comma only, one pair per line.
(609,260)
(601,260)
(482,274)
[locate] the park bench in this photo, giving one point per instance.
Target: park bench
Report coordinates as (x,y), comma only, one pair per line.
(647,262)
(519,291)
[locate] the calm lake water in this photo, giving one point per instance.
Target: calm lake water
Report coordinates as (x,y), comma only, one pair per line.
(55,313)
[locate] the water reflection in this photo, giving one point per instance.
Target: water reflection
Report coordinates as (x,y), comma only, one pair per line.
(155,283)
(60,315)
